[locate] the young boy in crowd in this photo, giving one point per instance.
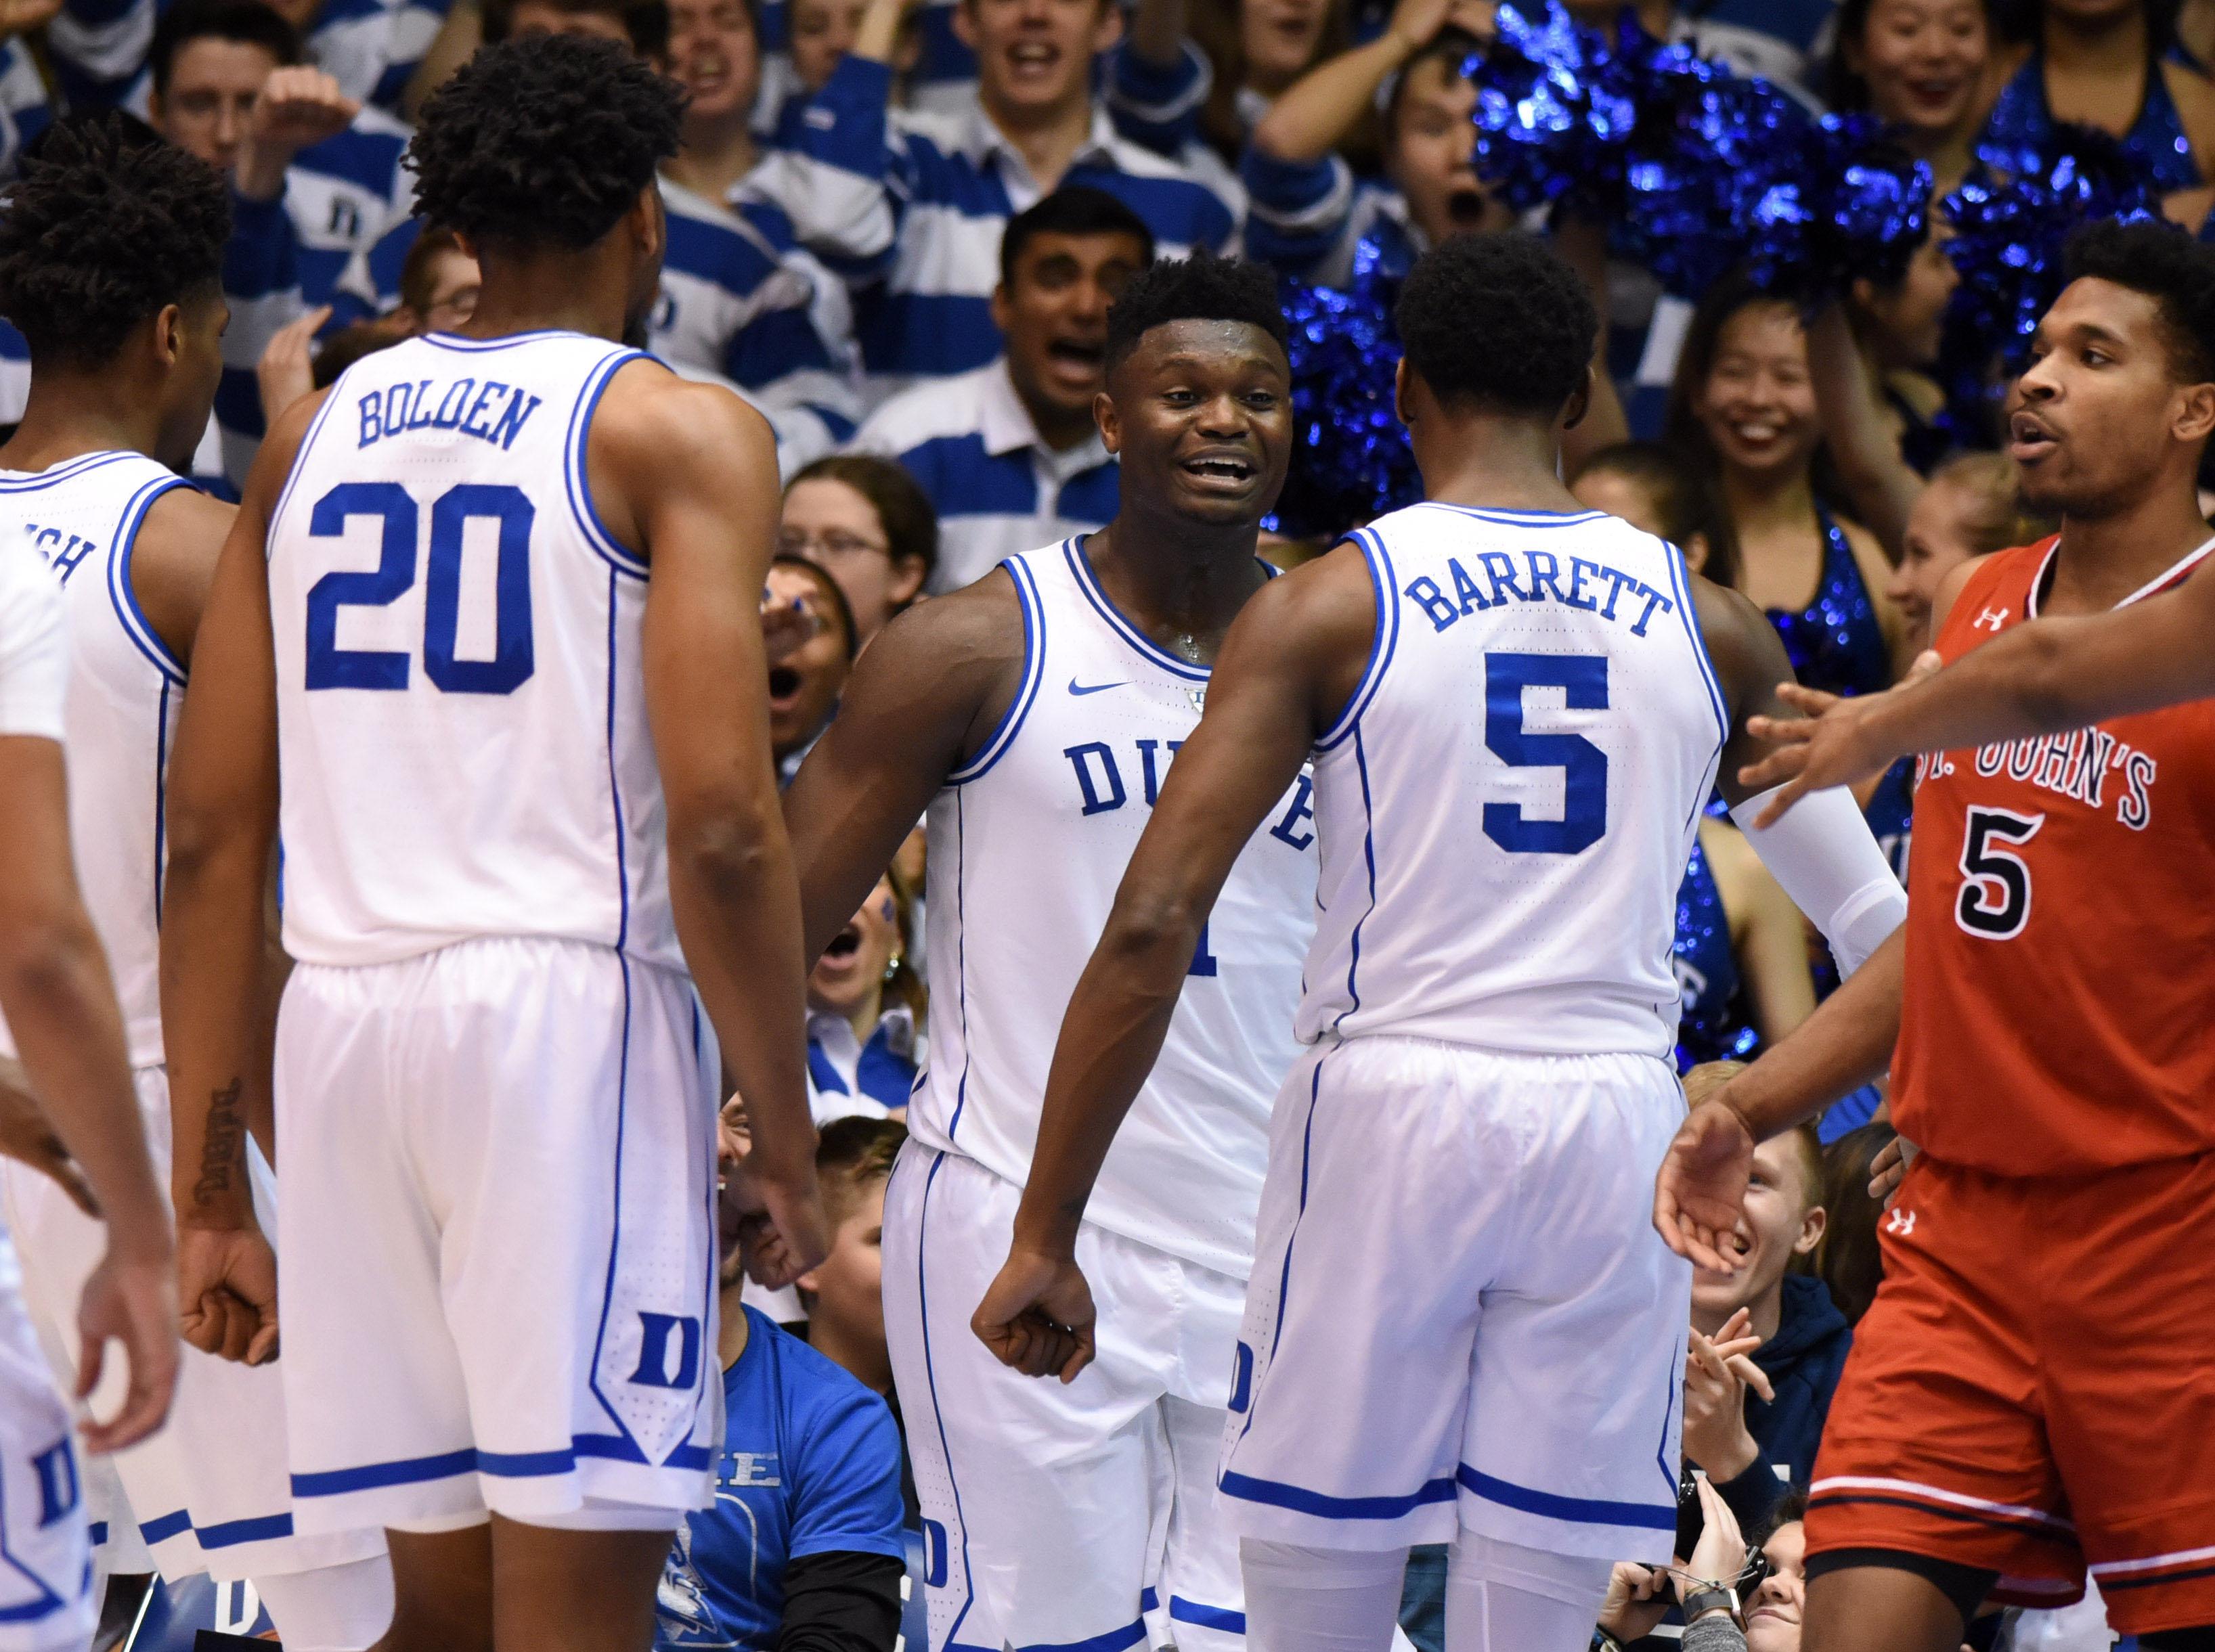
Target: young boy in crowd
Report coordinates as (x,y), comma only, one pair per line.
(1754,1445)
(803,1545)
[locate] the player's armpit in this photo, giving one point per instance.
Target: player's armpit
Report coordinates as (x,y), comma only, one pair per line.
(927,693)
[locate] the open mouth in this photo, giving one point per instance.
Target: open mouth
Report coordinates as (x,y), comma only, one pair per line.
(2030,441)
(1223,472)
(1935,90)
(844,945)
(783,686)
(1077,355)
(1467,208)
(1033,59)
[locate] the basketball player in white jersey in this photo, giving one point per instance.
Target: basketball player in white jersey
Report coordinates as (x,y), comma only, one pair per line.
(490,615)
(111,252)
(55,992)
(1461,1327)
(1034,714)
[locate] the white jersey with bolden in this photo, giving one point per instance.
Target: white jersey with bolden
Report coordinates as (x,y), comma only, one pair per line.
(1507,802)
(462,719)
(125,690)
(1033,834)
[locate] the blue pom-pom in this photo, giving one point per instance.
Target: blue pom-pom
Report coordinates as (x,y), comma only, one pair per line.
(1555,109)
(2007,244)
(1849,204)
(1350,458)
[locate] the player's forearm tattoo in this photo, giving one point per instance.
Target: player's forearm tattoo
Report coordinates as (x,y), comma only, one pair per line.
(219,1148)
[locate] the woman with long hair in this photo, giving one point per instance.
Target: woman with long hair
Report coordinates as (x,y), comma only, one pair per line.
(1927,69)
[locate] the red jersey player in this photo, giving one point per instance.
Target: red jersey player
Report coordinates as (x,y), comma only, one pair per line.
(2032,1396)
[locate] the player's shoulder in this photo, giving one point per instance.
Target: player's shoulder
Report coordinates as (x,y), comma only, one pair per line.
(966,640)
(185,521)
(652,415)
(1995,584)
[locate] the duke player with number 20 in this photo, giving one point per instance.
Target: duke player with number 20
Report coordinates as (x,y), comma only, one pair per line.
(491,615)
(1035,714)
(111,249)
(1460,1326)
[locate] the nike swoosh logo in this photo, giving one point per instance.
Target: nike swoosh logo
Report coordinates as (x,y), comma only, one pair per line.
(1075,687)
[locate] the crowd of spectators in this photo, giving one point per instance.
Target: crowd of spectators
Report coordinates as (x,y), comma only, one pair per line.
(896,226)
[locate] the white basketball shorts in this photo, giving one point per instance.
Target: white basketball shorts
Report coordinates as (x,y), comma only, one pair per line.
(498,1282)
(45,1585)
(1079,1516)
(210,1490)
(1460,1314)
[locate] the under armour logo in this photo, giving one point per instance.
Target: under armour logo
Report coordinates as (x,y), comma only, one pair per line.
(1901,1223)
(1991,620)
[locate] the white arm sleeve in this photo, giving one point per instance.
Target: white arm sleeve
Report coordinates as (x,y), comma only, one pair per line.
(1829,863)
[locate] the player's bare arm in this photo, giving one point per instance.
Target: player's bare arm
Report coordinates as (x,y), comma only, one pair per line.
(222,823)
(926,693)
(1289,664)
(2045,678)
(687,473)
(173,563)
(60,1005)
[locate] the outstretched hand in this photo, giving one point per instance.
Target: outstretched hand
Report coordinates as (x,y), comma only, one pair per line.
(1037,1316)
(1833,744)
(1700,1189)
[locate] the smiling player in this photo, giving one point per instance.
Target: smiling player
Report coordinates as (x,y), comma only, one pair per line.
(1036,714)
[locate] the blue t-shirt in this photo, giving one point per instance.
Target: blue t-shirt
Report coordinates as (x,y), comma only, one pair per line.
(810,1464)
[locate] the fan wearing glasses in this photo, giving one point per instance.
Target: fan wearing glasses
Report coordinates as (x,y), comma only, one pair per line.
(869,524)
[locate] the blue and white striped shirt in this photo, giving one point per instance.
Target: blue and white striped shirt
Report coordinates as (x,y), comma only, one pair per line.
(288,255)
(998,489)
(910,209)
(1306,218)
(24,111)
(371,47)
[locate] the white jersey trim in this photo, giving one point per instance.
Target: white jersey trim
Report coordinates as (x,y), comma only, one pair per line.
(307,445)
(1385,589)
(1147,648)
(1011,721)
(1680,576)
(128,614)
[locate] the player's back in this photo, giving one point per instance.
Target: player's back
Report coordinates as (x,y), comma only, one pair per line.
(124,691)
(1506,807)
(463,735)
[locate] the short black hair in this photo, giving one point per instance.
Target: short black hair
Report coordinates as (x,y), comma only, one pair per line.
(1497,319)
(2169,266)
(546,140)
(105,226)
(1073,210)
(249,23)
(646,22)
(1201,288)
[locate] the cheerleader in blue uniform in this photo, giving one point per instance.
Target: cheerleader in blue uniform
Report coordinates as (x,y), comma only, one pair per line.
(1741,947)
(1743,414)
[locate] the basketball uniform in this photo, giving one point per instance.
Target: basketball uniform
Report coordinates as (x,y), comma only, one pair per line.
(496,1091)
(210,1491)
(46,1592)
(1057,1515)
(2030,1393)
(1460,1315)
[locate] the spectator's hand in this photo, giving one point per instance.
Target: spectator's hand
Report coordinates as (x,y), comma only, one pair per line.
(1637,1600)
(21,16)
(297,108)
(1889,1167)
(1038,1317)
(783,1231)
(1720,1554)
(1717,1373)
(227,1288)
(131,1299)
(26,1137)
(1700,1189)
(1832,746)
(286,370)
